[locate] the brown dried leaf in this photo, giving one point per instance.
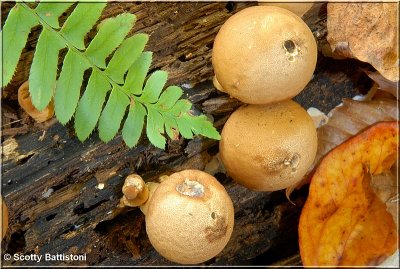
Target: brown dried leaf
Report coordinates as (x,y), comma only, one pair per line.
(367,32)
(349,119)
(345,121)
(383,83)
(343,222)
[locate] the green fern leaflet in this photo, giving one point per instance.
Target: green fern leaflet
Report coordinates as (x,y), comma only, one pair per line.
(113,90)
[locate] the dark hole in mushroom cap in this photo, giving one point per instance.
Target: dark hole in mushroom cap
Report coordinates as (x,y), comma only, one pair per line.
(290,46)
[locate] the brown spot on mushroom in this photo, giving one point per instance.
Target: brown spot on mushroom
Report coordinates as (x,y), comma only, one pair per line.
(218,230)
(275,166)
(271,167)
(294,161)
(258,158)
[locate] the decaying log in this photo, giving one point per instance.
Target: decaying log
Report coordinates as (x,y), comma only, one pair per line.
(62,194)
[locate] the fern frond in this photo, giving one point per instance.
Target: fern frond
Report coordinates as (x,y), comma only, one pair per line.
(15,35)
(42,77)
(111,117)
(125,75)
(69,85)
(90,105)
(119,63)
(133,125)
(137,74)
(154,86)
(79,23)
(169,97)
(49,12)
(112,32)
(155,128)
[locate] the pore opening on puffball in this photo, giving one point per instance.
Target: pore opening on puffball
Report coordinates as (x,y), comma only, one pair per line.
(191,188)
(290,46)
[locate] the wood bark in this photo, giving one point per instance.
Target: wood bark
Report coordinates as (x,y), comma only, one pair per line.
(50,180)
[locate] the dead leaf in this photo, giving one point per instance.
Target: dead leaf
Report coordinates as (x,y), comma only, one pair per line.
(350,118)
(345,121)
(383,83)
(343,222)
(385,187)
(215,166)
(367,32)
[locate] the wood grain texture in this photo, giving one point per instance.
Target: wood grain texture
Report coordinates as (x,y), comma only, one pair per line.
(50,180)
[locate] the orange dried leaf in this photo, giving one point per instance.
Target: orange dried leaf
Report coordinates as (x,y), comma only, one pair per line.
(343,221)
(386,187)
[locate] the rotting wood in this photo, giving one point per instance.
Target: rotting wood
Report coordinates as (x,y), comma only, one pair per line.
(51,185)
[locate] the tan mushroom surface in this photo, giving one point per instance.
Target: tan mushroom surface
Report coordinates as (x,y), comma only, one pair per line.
(297,8)
(190,217)
(25,101)
(135,191)
(263,54)
(268,147)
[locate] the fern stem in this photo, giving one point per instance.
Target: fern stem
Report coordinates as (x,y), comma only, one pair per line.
(77,51)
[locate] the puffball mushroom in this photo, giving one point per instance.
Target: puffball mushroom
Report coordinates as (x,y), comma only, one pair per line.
(268,147)
(135,191)
(297,8)
(263,54)
(25,101)
(189,217)
(4,220)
